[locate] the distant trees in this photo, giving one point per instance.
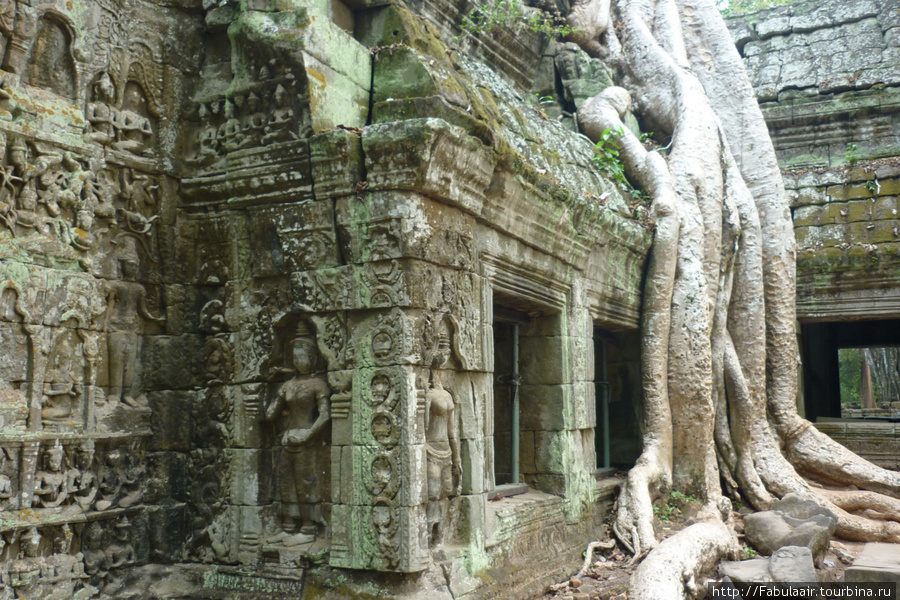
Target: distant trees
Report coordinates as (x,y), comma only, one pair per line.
(884,364)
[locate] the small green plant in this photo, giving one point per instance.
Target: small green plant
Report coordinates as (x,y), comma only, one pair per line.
(872,186)
(664,512)
(606,156)
(512,13)
(677,502)
(644,138)
(539,99)
(852,154)
(677,496)
(749,553)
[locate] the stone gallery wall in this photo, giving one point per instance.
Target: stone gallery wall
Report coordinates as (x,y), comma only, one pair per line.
(827,77)
(253,254)
(90,98)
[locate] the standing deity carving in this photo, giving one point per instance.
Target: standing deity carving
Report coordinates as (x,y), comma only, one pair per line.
(301,407)
(124,322)
(441,441)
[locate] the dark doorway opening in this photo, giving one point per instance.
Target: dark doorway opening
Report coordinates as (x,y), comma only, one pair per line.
(617,381)
(833,355)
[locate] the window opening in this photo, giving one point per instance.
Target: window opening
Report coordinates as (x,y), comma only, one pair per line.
(617,397)
(507,384)
(851,370)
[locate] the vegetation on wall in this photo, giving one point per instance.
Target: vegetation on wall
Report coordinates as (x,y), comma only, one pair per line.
(740,7)
(512,13)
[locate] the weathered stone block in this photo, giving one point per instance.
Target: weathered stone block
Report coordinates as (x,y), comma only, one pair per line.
(339,80)
(545,360)
(405,73)
(554,451)
(457,170)
(169,477)
(472,466)
(171,429)
(167,526)
(546,407)
(545,326)
(765,530)
(395,476)
(584,401)
(250,467)
(876,563)
(277,172)
(792,564)
(169,362)
(383,338)
(471,391)
(13,352)
(337,163)
(323,290)
(381,537)
(471,518)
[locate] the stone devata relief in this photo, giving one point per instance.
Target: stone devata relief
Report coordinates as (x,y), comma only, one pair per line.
(300,413)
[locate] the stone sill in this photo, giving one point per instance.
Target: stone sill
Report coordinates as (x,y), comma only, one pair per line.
(512,516)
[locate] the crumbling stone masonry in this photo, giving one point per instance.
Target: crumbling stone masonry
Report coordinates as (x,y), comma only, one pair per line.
(251,271)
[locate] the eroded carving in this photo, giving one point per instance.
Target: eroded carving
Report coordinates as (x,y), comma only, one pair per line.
(301,410)
(441,440)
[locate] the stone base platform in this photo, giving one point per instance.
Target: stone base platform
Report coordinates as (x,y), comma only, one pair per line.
(878,562)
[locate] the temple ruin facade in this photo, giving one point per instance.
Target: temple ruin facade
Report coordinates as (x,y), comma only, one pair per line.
(332,300)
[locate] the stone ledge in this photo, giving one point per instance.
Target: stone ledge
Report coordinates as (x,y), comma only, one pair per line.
(877,563)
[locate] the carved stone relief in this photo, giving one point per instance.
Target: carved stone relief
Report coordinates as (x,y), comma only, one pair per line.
(441,439)
(300,413)
(272,108)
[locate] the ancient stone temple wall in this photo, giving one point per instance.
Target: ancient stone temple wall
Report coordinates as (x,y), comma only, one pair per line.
(89,101)
(261,263)
(344,280)
(827,77)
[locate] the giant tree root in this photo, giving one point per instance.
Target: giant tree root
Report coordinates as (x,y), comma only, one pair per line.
(679,564)
(719,346)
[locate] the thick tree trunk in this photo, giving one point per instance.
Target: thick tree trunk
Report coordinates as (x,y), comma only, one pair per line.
(866,397)
(719,350)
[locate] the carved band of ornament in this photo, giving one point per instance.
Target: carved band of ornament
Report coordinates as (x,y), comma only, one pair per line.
(340,405)
(384,428)
(382,391)
(383,476)
(339,551)
(542,289)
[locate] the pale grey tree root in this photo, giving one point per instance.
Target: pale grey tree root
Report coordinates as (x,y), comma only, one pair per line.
(719,348)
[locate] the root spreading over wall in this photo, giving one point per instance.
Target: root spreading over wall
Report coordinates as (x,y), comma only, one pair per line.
(719,350)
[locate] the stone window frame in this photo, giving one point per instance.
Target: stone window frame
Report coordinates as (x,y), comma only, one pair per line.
(544,394)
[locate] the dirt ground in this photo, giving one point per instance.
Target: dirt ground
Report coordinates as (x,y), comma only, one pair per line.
(609,575)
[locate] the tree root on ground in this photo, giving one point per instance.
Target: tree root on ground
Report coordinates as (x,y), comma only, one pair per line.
(719,347)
